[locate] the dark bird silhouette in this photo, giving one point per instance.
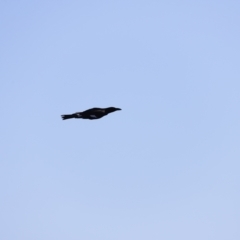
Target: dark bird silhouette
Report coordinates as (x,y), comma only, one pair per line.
(93,113)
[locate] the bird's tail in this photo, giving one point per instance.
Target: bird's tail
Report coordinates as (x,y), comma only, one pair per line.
(67,116)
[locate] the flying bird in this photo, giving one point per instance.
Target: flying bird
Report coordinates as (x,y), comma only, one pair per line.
(93,113)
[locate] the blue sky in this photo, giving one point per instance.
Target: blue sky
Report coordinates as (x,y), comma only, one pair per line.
(166,166)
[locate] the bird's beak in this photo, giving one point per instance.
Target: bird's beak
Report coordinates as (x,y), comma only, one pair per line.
(118,109)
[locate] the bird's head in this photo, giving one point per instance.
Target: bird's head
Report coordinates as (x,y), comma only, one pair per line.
(112,109)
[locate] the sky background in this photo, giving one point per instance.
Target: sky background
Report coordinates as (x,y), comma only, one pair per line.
(166,166)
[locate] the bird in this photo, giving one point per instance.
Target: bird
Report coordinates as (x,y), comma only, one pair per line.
(91,114)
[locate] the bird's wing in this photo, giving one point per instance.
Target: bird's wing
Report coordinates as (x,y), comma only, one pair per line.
(94,110)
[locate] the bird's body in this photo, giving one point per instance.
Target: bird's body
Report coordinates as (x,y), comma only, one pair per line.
(91,114)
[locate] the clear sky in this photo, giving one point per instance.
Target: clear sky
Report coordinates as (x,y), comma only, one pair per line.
(166,166)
